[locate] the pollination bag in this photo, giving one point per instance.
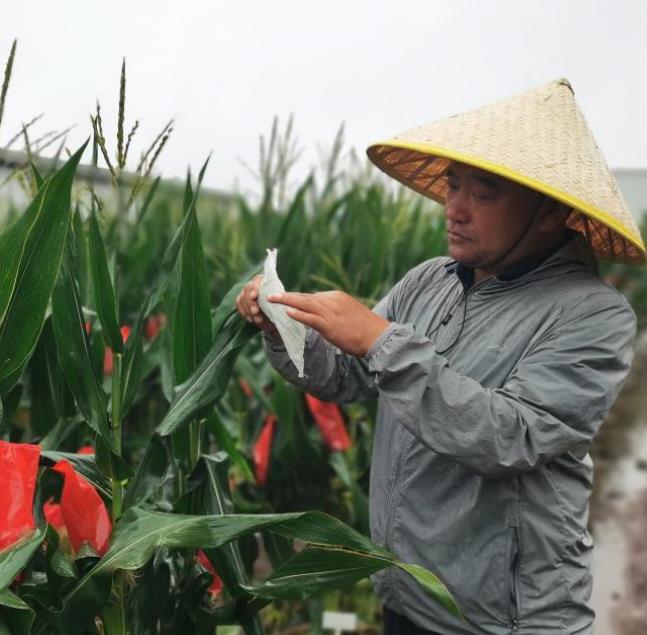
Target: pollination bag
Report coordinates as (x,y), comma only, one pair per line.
(292,333)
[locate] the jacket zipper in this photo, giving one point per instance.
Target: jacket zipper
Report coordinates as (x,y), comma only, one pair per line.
(389,515)
(514,569)
(389,498)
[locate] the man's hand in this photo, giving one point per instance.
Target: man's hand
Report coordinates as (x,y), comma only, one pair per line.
(341,320)
(247,305)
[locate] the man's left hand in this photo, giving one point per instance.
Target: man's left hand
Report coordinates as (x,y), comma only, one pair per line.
(341,320)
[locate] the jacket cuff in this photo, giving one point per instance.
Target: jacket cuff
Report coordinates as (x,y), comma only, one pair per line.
(273,344)
(393,336)
(277,345)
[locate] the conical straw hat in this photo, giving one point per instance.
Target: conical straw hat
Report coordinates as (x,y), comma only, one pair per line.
(539,139)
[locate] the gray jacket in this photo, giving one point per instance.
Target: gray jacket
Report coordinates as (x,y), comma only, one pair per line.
(489,397)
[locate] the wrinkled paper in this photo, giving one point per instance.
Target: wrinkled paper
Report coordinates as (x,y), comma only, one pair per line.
(292,333)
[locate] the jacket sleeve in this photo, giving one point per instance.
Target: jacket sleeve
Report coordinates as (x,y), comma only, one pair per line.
(553,402)
(330,374)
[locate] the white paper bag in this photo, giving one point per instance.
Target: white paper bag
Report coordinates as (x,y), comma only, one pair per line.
(292,333)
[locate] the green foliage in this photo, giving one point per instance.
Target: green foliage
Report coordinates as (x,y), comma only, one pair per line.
(170,399)
(34,246)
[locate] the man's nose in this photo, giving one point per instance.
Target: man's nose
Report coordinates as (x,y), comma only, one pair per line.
(457,208)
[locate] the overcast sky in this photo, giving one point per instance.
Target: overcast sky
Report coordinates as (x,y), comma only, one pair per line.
(224,69)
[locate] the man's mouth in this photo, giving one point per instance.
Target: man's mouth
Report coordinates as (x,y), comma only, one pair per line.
(456,235)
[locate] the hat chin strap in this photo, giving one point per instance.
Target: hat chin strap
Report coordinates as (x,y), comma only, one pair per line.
(515,244)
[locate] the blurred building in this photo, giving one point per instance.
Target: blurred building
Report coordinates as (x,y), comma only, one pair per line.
(633,184)
(15,186)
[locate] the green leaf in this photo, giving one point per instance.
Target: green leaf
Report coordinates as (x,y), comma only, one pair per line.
(138,533)
(104,295)
(212,497)
(192,323)
(187,202)
(227,307)
(12,245)
(84,464)
(227,443)
(317,570)
(133,357)
(11,600)
(82,257)
(433,585)
(154,580)
(38,179)
(62,565)
(33,261)
(148,200)
(156,480)
(75,357)
(46,383)
(14,559)
(10,405)
(111,463)
(64,429)
(209,381)
(17,615)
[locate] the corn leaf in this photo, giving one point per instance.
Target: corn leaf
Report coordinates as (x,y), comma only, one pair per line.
(16,616)
(148,200)
(317,570)
(433,585)
(46,383)
(209,381)
(74,351)
(104,295)
(133,356)
(36,175)
(156,481)
(14,559)
(213,497)
(33,264)
(192,323)
(139,533)
(226,308)
(226,442)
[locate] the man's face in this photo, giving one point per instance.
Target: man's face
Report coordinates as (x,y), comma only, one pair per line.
(486,214)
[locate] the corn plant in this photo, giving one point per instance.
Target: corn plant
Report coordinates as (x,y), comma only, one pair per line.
(96,528)
(175,500)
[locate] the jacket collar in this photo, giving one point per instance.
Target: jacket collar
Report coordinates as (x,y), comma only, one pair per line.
(573,248)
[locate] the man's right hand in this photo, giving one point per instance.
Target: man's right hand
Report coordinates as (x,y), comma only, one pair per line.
(247,305)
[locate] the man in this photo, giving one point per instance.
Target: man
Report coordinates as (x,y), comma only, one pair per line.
(493,368)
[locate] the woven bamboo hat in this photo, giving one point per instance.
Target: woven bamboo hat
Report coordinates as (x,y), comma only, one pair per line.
(538,138)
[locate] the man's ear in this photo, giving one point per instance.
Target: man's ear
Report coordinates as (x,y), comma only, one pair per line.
(552,215)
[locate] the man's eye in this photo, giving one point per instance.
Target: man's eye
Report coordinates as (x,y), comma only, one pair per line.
(452,185)
(483,195)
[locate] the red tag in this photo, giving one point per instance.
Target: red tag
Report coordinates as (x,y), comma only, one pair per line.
(84,512)
(54,514)
(262,450)
(216,583)
(18,472)
(107,353)
(330,422)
